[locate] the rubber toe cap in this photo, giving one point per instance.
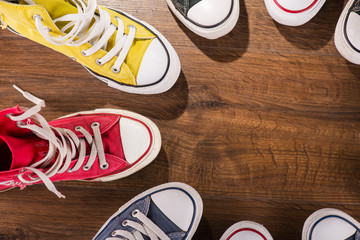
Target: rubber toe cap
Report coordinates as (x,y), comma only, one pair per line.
(352,30)
(135,139)
(210,12)
(295,5)
(153,65)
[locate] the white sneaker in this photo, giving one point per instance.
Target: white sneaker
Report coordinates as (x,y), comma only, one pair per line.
(293,12)
(330,224)
(347,34)
(246,230)
(208,18)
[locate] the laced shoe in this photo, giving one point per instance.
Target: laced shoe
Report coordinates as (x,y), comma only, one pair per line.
(100,145)
(207,18)
(246,230)
(330,224)
(170,211)
(120,50)
(293,12)
(347,34)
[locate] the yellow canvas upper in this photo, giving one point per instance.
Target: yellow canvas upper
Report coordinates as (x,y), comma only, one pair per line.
(19,17)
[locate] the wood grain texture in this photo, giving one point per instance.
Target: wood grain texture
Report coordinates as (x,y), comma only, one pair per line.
(264,123)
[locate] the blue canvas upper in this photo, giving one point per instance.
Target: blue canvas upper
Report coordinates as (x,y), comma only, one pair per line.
(356,236)
(148,208)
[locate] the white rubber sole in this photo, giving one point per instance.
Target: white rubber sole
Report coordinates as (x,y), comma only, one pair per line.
(169,79)
(247,224)
(292,19)
(313,218)
(210,33)
(191,191)
(340,41)
(147,159)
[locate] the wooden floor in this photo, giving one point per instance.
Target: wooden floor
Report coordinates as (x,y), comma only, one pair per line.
(264,123)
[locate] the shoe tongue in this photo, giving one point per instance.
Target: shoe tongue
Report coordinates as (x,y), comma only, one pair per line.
(25,150)
(59,8)
(56,8)
(164,223)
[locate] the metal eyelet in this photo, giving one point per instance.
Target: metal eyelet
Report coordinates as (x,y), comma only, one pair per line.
(98,62)
(70,170)
(37,16)
(135,212)
(104,166)
(20,124)
(132,26)
(115,70)
(78,128)
(73,58)
(95,124)
(86,168)
(124,223)
(113,233)
(9,115)
(83,52)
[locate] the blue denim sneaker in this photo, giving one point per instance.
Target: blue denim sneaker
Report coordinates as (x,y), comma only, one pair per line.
(170,211)
(330,224)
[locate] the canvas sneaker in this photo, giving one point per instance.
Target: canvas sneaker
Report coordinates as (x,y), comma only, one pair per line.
(330,224)
(208,18)
(246,230)
(100,145)
(120,50)
(170,211)
(293,12)
(347,34)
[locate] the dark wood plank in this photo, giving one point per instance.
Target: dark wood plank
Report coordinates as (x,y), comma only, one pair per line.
(264,123)
(84,211)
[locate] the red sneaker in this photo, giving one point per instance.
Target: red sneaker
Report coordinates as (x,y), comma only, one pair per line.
(100,145)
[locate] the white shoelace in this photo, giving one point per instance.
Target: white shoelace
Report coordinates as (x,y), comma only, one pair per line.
(97,35)
(148,228)
(62,142)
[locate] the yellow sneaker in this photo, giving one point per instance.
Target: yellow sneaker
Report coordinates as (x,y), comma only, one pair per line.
(127,54)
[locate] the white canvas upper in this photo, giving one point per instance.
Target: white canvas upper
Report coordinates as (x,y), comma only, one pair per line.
(210,12)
